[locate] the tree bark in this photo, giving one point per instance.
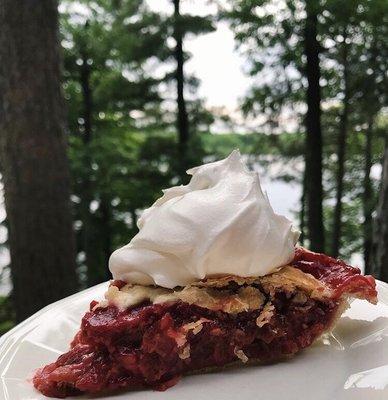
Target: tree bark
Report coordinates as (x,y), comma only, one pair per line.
(182,118)
(85,73)
(302,214)
(33,156)
(341,155)
(88,244)
(367,200)
(106,219)
(380,240)
(133,219)
(314,188)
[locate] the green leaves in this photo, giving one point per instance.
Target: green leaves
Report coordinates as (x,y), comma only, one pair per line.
(193,24)
(270,34)
(7,314)
(118,84)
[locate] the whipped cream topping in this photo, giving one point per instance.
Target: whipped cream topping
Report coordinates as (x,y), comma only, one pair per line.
(221,223)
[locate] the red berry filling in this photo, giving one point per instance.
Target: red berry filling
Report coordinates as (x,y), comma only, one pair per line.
(153,345)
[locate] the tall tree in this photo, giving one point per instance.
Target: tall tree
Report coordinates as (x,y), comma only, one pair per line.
(341,27)
(85,72)
(276,36)
(282,42)
(373,88)
(105,81)
(182,119)
(367,195)
(343,126)
(313,130)
(380,253)
(180,26)
(354,45)
(33,156)
(341,156)
(372,106)
(119,81)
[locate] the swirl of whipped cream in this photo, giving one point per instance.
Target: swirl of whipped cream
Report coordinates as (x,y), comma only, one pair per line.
(221,223)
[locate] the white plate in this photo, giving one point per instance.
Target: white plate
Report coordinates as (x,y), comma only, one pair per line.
(351,364)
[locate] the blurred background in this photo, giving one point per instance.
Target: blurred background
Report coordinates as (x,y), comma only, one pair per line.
(104,103)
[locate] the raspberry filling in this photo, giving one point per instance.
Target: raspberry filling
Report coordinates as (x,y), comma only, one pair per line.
(336,274)
(153,345)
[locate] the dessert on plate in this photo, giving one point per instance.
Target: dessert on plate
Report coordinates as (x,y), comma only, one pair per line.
(213,278)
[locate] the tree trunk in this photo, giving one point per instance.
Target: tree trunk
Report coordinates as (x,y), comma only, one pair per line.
(133,220)
(182,118)
(302,213)
(85,73)
(33,156)
(380,240)
(88,244)
(341,155)
(106,221)
(314,188)
(368,196)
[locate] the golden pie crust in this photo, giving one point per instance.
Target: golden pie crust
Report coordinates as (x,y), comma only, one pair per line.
(214,293)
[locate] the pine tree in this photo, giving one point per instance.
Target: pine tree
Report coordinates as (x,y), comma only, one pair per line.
(380,254)
(313,157)
(179,27)
(107,46)
(283,52)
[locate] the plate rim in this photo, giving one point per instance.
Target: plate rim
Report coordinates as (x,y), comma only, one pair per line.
(10,342)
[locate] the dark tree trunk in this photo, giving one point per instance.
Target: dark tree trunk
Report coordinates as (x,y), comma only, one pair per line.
(314,188)
(33,156)
(106,221)
(85,73)
(133,219)
(368,199)
(380,254)
(88,244)
(341,155)
(368,196)
(302,213)
(182,118)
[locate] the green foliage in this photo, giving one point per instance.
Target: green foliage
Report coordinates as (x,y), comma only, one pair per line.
(352,37)
(126,176)
(127,54)
(118,82)
(270,35)
(221,145)
(107,46)
(352,235)
(7,315)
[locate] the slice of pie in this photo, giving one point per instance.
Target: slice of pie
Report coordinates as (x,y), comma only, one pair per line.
(149,336)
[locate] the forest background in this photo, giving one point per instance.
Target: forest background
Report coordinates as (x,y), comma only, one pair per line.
(101,108)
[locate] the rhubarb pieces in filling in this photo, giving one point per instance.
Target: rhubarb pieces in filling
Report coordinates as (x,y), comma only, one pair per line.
(149,337)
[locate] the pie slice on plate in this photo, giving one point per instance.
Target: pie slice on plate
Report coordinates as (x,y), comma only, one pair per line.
(149,336)
(211,279)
